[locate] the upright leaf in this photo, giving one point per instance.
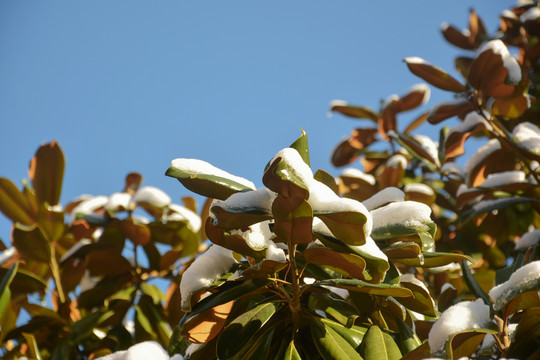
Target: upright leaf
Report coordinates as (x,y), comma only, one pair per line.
(378,345)
(14,204)
(46,172)
(330,344)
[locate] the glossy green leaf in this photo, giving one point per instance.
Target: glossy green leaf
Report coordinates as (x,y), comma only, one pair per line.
(14,204)
(33,349)
(353,334)
(473,285)
(365,287)
(401,229)
(153,291)
(31,243)
(402,250)
(349,265)
(5,292)
(301,145)
(465,343)
(422,302)
(260,348)
(408,340)
(434,259)
(285,180)
(326,179)
(420,353)
(293,219)
(340,310)
(241,330)
(212,186)
(239,217)
(378,345)
(290,353)
(46,171)
(330,344)
(348,226)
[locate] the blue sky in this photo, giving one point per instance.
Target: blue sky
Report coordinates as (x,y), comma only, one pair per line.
(130,85)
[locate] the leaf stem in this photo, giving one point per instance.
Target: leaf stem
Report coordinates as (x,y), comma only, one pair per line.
(56,275)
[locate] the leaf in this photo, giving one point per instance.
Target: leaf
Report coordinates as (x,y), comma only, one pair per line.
(434,259)
(51,223)
(488,74)
(208,324)
(139,234)
(447,109)
(46,171)
(416,123)
(33,350)
(379,345)
(354,111)
(365,287)
(240,332)
(293,218)
(326,179)
(433,75)
(153,291)
(239,217)
(526,335)
(409,341)
(340,310)
(465,343)
(421,352)
(208,185)
(31,243)
(522,301)
(344,153)
(234,242)
(416,149)
(14,204)
(107,263)
(260,348)
(422,302)
(24,282)
(347,226)
(290,352)
(457,38)
(353,335)
(473,286)
(329,343)
(512,107)
(132,183)
(490,205)
(349,265)
(301,145)
(5,292)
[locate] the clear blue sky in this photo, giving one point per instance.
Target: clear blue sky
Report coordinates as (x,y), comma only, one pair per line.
(130,85)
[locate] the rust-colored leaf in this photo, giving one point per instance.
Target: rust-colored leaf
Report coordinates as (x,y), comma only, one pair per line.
(359,112)
(235,243)
(387,122)
(456,37)
(138,233)
(344,153)
(416,123)
(447,109)
(488,74)
(512,107)
(477,29)
(107,263)
(14,205)
(433,75)
(207,325)
(133,181)
(46,172)
(349,265)
(462,64)
(293,220)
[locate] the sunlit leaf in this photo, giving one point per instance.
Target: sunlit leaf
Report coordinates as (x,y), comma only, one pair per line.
(14,204)
(447,109)
(208,324)
(526,336)
(5,292)
(46,171)
(340,310)
(301,145)
(31,243)
(465,343)
(355,111)
(329,343)
(433,75)
(365,287)
(379,345)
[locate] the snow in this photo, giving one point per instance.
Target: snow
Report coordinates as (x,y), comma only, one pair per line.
(421,88)
(180,213)
(359,174)
(117,202)
(87,206)
(371,248)
(530,15)
(462,316)
(256,236)
(206,269)
(528,239)
(508,14)
(453,168)
(447,286)
(481,154)
(527,136)
(429,146)
(153,196)
(470,122)
(509,62)
(261,198)
(397,161)
(336,102)
(410,278)
(7,254)
(407,213)
(389,101)
(191,349)
(296,164)
(419,188)
(503,178)
(87,282)
(195,166)
(74,248)
(141,351)
(416,60)
(274,253)
(386,195)
(523,277)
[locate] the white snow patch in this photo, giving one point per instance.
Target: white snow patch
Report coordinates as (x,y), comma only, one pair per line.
(118,202)
(274,253)
(470,122)
(359,174)
(447,286)
(453,168)
(527,136)
(462,316)
(410,278)
(206,269)
(87,282)
(337,102)
(192,348)
(509,62)
(389,101)
(416,60)
(261,198)
(397,161)
(386,195)
(153,196)
(482,153)
(419,188)
(522,277)
(408,213)
(181,213)
(528,239)
(371,248)
(257,236)
(503,178)
(342,293)
(509,14)
(530,15)
(141,351)
(429,146)
(195,166)
(87,207)
(296,164)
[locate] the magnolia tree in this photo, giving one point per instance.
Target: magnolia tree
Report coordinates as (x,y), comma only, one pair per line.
(406,254)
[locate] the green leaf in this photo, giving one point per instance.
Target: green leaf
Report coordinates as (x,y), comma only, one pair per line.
(5,292)
(330,344)
(290,353)
(422,302)
(293,219)
(347,226)
(260,348)
(31,243)
(153,291)
(301,145)
(378,345)
(46,172)
(365,287)
(473,285)
(349,265)
(326,179)
(353,335)
(208,185)
(408,339)
(33,350)
(239,217)
(338,309)
(14,204)
(241,330)
(434,259)
(465,343)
